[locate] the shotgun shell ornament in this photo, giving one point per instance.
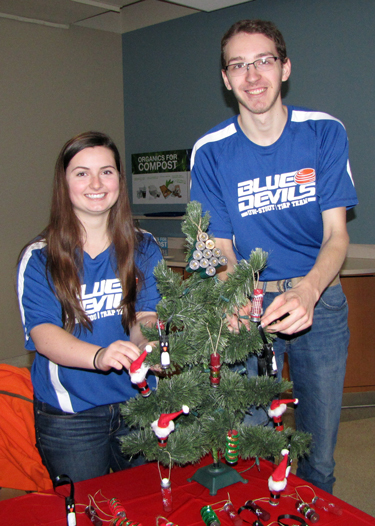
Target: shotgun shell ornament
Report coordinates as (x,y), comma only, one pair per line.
(91,513)
(232,514)
(277,409)
(164,426)
(203,236)
(138,371)
(307,511)
(200,245)
(210,244)
(325,505)
(256,305)
(231,447)
(166,493)
(209,516)
(215,369)
(278,480)
(116,508)
(255,508)
(205,258)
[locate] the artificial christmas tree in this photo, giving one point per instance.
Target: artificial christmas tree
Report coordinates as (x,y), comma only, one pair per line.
(205,370)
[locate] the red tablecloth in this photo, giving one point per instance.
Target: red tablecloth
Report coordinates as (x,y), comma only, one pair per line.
(138,489)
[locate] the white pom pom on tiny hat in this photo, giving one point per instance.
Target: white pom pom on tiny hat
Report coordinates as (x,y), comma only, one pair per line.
(165,425)
(165,418)
(139,361)
(276,408)
(277,481)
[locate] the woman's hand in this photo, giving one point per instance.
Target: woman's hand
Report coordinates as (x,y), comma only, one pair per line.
(117,355)
(120,354)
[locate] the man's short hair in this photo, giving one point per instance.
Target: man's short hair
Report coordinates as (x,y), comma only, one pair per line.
(263,27)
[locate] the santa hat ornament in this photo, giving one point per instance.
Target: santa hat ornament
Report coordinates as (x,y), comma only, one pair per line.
(138,371)
(277,409)
(278,479)
(165,425)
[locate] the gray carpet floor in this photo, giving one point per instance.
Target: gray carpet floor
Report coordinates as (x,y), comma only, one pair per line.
(355,451)
(355,464)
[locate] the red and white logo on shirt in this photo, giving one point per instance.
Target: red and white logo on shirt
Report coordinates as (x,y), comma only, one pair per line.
(304,176)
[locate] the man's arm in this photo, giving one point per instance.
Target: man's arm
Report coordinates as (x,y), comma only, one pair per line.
(300,301)
(226,247)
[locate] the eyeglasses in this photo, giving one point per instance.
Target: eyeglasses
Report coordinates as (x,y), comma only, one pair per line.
(262,64)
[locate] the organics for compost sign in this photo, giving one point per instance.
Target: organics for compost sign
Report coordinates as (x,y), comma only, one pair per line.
(161,177)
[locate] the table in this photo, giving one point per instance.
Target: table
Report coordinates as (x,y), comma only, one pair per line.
(138,489)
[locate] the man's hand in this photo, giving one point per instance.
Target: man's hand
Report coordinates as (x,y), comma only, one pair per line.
(292,311)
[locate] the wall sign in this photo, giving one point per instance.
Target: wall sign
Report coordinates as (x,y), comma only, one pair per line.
(161,177)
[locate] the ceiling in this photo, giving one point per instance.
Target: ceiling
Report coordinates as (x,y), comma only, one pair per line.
(104,14)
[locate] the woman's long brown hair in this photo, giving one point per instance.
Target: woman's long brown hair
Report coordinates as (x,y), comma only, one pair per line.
(64,244)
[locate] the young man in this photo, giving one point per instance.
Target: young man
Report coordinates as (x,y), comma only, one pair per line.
(278,177)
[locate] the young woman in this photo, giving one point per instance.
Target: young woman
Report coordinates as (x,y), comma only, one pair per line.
(85,286)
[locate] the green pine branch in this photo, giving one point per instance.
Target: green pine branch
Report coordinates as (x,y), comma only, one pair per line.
(194,222)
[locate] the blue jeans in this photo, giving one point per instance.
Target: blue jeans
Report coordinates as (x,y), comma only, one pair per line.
(81,445)
(317,362)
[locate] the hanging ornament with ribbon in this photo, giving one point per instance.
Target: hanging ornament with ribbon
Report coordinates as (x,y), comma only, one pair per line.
(163,330)
(232,514)
(116,508)
(215,369)
(205,258)
(166,488)
(277,409)
(138,371)
(164,425)
(209,516)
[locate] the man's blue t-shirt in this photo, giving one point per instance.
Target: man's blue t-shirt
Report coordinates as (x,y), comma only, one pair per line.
(72,389)
(272,197)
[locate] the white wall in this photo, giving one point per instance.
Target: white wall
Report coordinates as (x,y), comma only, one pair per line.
(54,83)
